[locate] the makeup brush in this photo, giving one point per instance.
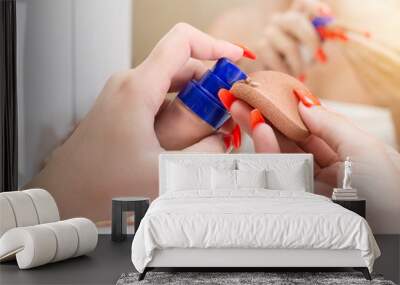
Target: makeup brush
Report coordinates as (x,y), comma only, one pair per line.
(330,28)
(378,69)
(376,64)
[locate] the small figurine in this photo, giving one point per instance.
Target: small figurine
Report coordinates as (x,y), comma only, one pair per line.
(347,192)
(347,174)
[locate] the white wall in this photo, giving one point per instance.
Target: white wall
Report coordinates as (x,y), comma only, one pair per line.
(66,51)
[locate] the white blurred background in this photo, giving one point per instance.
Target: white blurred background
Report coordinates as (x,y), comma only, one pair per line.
(66,51)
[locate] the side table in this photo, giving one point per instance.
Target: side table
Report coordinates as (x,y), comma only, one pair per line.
(357,206)
(121,205)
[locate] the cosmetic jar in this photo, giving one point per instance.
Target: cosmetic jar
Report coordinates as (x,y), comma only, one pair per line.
(197,112)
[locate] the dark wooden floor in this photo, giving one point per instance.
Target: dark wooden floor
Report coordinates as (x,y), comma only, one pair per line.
(102,266)
(389,262)
(110,260)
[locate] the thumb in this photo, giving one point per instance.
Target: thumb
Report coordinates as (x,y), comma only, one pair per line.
(336,130)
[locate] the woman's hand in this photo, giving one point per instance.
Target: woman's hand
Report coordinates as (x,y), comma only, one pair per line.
(114,150)
(376,166)
(289,36)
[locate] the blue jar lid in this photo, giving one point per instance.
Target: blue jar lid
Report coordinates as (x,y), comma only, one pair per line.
(203,105)
(212,83)
(228,72)
(202,96)
(321,21)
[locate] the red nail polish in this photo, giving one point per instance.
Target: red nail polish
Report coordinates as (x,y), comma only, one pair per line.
(332,34)
(256,118)
(339,34)
(322,32)
(306,97)
(226,98)
(320,55)
(227,141)
(247,53)
(237,137)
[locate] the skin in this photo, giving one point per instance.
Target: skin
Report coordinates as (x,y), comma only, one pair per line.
(114,150)
(376,166)
(278,30)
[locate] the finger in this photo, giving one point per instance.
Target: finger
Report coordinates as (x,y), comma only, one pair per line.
(263,136)
(192,69)
(231,127)
(299,27)
(323,153)
(312,8)
(288,47)
(181,43)
(240,112)
(286,144)
(213,143)
(264,139)
(271,59)
(322,188)
(329,175)
(338,132)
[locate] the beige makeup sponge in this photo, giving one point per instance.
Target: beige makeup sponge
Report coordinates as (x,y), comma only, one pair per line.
(271,92)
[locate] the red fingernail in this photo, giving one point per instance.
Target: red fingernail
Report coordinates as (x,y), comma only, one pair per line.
(302,77)
(332,34)
(306,97)
(339,34)
(323,33)
(227,141)
(256,118)
(320,55)
(226,98)
(247,53)
(237,137)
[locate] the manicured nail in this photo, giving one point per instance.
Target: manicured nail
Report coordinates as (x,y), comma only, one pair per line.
(237,137)
(339,34)
(227,141)
(332,34)
(302,77)
(324,11)
(322,32)
(320,55)
(226,98)
(256,118)
(247,53)
(306,97)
